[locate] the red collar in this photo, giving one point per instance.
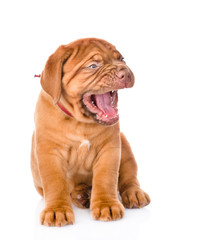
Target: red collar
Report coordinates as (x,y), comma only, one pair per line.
(64,110)
(37,75)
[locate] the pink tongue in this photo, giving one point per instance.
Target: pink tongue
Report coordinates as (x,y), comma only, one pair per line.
(103,102)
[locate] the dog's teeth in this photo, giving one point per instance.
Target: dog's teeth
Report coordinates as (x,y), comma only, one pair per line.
(93,104)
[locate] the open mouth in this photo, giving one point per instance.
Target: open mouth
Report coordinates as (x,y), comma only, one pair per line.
(103,107)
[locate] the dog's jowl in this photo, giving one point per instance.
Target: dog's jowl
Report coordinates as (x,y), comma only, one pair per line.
(78,152)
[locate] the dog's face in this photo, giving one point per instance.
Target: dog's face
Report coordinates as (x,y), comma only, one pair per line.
(87,74)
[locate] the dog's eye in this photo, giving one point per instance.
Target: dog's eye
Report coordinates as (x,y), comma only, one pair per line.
(92,66)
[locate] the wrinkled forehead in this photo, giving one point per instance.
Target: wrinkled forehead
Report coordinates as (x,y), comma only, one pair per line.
(95,49)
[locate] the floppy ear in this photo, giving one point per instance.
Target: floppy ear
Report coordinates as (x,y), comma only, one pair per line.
(52,74)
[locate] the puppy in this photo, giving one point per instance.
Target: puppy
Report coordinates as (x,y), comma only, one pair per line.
(78,152)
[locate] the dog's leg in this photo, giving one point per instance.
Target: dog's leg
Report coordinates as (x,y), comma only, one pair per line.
(58,210)
(105,205)
(81,195)
(34,168)
(129,188)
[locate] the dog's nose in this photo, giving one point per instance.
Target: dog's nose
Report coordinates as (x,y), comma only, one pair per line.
(121,74)
(124,76)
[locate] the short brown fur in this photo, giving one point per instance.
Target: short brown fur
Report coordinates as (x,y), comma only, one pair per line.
(72,154)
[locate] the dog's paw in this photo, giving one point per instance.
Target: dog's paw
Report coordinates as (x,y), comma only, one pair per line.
(81,195)
(107,211)
(57,217)
(135,198)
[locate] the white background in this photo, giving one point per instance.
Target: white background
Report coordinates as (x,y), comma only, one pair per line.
(160,115)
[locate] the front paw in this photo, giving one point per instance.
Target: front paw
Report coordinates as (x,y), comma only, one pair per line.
(57,216)
(135,198)
(107,210)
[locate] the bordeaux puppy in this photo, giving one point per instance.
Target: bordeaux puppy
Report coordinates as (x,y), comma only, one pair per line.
(78,151)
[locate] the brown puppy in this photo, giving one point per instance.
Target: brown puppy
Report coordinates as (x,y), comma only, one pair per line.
(78,151)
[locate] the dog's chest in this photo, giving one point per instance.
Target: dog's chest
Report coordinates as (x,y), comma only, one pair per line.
(83,149)
(81,156)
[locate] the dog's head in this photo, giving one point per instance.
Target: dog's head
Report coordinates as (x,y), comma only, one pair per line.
(87,74)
